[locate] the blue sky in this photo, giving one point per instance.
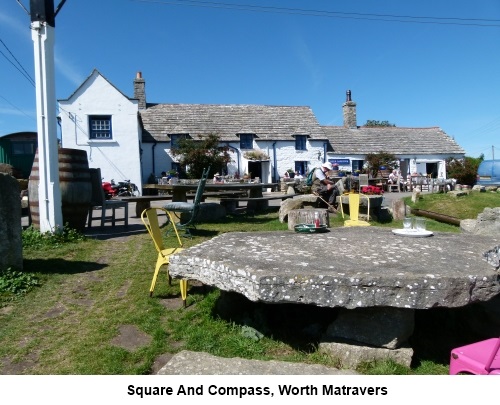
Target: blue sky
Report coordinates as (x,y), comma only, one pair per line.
(414,72)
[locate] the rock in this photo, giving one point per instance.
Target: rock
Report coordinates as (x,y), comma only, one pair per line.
(381,327)
(11,253)
(298,202)
(200,363)
(487,223)
(398,209)
(352,355)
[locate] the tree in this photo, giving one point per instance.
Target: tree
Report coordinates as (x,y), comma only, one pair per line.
(374,123)
(198,154)
(374,161)
(464,170)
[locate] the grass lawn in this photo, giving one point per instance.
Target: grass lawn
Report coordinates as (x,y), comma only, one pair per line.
(85,296)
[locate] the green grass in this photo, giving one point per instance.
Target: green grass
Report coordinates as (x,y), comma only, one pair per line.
(86,290)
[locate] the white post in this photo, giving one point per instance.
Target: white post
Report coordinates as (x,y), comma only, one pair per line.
(49,193)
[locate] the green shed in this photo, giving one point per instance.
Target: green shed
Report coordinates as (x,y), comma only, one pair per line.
(18,150)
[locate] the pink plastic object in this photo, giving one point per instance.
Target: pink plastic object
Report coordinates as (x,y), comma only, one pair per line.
(477,358)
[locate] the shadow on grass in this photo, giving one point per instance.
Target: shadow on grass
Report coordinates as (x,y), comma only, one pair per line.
(60,266)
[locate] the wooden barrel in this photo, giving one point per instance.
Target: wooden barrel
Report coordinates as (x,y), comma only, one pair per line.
(75,185)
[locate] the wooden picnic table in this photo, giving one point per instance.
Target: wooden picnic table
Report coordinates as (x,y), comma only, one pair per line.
(179,191)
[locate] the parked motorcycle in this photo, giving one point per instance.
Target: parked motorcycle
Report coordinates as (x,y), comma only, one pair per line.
(109,190)
(121,189)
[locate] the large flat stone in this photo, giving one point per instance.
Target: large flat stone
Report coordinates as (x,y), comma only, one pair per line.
(352,355)
(347,267)
(200,363)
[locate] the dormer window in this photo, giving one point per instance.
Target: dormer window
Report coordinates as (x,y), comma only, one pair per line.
(246,141)
(300,142)
(175,138)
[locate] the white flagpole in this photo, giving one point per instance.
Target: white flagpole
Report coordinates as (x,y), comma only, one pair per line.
(49,193)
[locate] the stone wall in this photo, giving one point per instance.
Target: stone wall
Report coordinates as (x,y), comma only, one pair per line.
(11,254)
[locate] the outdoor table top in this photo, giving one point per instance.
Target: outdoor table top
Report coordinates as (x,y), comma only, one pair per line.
(346,267)
(179,190)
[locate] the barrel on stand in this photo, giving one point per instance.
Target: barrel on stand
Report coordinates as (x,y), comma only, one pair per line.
(75,185)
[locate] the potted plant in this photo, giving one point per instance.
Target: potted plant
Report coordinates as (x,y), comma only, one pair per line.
(291,173)
(256,155)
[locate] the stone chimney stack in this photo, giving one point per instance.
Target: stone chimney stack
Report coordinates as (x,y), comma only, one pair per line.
(140,90)
(349,111)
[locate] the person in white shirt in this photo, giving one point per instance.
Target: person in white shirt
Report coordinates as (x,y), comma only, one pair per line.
(323,186)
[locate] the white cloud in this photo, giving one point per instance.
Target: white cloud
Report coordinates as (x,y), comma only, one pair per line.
(307,59)
(66,69)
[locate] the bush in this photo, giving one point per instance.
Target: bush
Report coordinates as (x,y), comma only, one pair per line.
(14,282)
(34,239)
(464,170)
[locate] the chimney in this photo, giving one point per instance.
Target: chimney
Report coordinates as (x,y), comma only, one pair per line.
(140,90)
(349,111)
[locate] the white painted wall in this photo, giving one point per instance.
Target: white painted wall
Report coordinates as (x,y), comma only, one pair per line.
(119,158)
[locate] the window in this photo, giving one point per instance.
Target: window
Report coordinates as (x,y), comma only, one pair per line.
(357,165)
(301,167)
(175,138)
(23,148)
(300,142)
(100,127)
(246,141)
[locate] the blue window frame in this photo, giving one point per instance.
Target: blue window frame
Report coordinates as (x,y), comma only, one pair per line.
(300,142)
(301,167)
(100,127)
(175,138)
(246,141)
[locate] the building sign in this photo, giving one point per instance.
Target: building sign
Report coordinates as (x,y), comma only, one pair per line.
(340,162)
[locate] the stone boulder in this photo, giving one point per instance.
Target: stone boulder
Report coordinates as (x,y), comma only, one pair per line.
(11,254)
(381,327)
(487,223)
(352,355)
(298,202)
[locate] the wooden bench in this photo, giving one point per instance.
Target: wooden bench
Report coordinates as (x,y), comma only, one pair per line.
(253,204)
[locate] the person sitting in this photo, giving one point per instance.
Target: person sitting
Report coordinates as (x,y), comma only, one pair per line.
(286,175)
(298,175)
(324,187)
(218,178)
(396,177)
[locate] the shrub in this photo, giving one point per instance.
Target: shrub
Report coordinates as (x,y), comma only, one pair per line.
(14,282)
(34,239)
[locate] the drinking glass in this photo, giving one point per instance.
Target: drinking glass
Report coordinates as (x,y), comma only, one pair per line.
(407,223)
(420,224)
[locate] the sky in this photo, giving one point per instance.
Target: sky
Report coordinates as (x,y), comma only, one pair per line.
(414,63)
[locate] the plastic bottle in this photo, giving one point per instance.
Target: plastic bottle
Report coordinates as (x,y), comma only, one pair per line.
(316,220)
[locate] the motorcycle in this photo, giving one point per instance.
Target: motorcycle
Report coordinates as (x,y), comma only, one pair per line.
(122,189)
(109,190)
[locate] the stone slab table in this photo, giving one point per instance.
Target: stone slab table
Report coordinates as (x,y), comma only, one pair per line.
(352,268)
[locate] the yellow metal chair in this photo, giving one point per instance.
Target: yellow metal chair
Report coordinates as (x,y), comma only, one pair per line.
(150,219)
(354,202)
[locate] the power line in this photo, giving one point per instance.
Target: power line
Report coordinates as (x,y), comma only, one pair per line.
(18,109)
(476,22)
(19,66)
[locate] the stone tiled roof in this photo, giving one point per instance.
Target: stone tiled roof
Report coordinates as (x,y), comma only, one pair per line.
(265,121)
(399,141)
